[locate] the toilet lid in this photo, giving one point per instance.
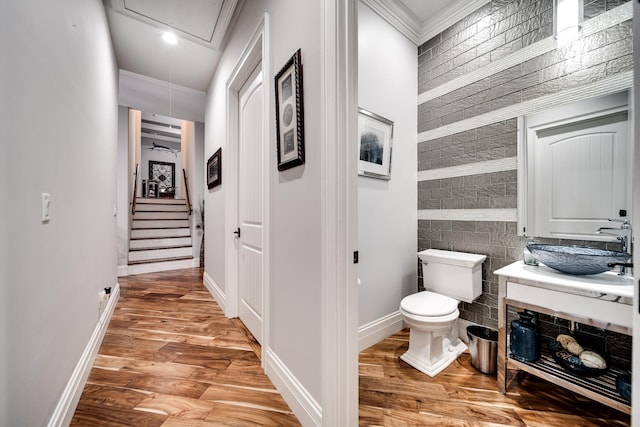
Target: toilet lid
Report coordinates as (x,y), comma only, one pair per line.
(427,303)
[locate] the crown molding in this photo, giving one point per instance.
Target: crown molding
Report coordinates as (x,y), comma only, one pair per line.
(398,16)
(409,25)
(447,17)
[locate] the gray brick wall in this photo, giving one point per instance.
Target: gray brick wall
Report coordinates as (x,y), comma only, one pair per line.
(497,29)
(590,59)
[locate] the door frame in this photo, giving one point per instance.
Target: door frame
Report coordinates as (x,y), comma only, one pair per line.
(339,204)
(256,52)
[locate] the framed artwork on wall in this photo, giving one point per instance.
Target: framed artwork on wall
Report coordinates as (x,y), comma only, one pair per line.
(163,175)
(214,169)
(290,114)
(376,139)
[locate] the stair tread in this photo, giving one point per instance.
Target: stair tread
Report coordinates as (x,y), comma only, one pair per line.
(151,261)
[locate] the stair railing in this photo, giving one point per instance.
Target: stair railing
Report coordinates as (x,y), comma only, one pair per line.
(186,189)
(135,190)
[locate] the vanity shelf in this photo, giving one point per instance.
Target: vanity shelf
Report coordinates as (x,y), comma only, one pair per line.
(601,389)
(595,300)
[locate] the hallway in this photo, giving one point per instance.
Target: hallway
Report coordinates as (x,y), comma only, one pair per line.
(170,358)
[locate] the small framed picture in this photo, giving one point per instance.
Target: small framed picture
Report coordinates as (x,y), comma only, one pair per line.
(376,139)
(214,169)
(290,114)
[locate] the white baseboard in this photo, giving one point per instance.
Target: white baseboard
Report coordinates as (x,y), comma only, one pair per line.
(214,290)
(68,402)
(374,332)
(303,405)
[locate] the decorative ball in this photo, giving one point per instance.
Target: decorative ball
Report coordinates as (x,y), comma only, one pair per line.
(565,340)
(591,359)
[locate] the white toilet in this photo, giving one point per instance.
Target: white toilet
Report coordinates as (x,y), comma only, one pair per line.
(448,277)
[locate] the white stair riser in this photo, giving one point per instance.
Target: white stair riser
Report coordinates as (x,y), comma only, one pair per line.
(160,201)
(160,224)
(160,266)
(143,207)
(168,232)
(161,215)
(160,243)
(160,254)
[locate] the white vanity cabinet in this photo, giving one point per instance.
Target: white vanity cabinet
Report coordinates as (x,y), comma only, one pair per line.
(602,300)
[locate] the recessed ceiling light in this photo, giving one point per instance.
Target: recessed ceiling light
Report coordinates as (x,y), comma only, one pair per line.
(169,38)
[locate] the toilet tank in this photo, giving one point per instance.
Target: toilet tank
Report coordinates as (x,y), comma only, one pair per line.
(456,274)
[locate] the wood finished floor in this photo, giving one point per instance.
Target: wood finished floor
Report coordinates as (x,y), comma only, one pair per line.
(392,393)
(170,358)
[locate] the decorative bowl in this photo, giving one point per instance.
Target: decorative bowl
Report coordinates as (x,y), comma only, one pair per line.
(577,260)
(572,363)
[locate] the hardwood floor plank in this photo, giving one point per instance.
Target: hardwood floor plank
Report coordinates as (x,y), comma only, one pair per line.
(245,416)
(167,385)
(112,397)
(183,408)
(545,419)
(232,376)
(88,415)
(168,369)
(181,422)
(108,377)
(470,412)
(245,396)
(412,388)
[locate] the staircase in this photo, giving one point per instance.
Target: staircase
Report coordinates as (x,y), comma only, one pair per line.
(160,236)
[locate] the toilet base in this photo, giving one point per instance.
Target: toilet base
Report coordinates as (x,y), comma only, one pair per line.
(451,351)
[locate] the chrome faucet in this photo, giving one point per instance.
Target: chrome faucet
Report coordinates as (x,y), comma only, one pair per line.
(624,235)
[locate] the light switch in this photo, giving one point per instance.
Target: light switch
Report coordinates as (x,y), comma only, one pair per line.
(46,204)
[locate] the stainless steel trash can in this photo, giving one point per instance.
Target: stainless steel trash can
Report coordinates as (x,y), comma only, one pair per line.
(483,346)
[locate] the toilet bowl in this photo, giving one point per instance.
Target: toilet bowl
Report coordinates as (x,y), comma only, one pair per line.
(432,314)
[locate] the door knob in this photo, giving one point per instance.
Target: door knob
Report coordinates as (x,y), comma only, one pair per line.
(237,232)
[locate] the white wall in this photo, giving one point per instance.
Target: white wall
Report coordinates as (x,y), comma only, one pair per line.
(387,210)
(123,184)
(61,83)
(294,199)
(196,187)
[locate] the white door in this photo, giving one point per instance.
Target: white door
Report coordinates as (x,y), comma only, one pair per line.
(582,176)
(250,204)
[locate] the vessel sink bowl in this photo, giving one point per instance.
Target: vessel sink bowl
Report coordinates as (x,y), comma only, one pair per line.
(578,260)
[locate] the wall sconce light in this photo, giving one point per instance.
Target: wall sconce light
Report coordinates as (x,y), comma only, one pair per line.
(567,19)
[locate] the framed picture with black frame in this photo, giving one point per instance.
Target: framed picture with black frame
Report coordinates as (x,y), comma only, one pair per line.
(164,175)
(375,142)
(214,169)
(290,114)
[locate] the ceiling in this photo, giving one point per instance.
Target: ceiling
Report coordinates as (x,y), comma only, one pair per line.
(200,26)
(137,27)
